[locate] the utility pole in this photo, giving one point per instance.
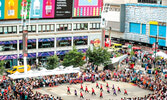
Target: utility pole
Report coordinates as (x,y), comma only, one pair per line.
(24,13)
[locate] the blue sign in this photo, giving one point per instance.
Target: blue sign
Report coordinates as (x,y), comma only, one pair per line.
(2,9)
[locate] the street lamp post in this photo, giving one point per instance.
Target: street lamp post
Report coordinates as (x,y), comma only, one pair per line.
(24,13)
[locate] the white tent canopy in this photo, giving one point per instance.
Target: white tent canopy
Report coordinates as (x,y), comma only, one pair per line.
(44,72)
(118,59)
(161,54)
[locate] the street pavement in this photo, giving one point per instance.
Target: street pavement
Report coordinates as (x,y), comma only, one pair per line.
(61,91)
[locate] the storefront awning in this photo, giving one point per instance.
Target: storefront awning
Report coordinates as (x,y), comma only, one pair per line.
(61,52)
(46,40)
(80,37)
(29,41)
(82,50)
(6,57)
(30,55)
(8,42)
(44,54)
(63,38)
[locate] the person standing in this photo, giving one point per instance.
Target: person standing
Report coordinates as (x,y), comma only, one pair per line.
(97,85)
(75,91)
(101,87)
(93,92)
(81,88)
(101,94)
(114,93)
(81,95)
(107,85)
(119,90)
(68,90)
(108,89)
(86,89)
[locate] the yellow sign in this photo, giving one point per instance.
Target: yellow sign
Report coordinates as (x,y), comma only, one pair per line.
(96,42)
(153,22)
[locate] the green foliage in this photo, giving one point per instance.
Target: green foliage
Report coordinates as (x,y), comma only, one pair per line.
(73,58)
(132,53)
(98,56)
(53,62)
(2,68)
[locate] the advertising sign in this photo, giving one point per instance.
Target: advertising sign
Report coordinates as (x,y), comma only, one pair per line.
(95,42)
(2,5)
(11,9)
(36,8)
(20,8)
(63,8)
(86,8)
(48,8)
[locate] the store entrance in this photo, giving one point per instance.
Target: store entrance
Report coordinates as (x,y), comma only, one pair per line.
(11,62)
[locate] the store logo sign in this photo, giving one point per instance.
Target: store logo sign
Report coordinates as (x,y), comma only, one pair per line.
(95,42)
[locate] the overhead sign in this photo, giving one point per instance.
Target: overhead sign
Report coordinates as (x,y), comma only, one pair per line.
(63,8)
(86,8)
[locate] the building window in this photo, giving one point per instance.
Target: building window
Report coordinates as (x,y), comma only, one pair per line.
(80,40)
(63,27)
(30,29)
(144,29)
(94,26)
(31,44)
(46,28)
(8,29)
(80,26)
(8,45)
(46,43)
(63,41)
(134,28)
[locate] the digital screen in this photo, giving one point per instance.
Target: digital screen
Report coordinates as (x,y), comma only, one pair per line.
(86,8)
(11,9)
(63,8)
(2,5)
(20,9)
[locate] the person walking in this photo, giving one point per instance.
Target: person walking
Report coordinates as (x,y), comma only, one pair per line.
(125,92)
(75,91)
(81,95)
(113,87)
(86,89)
(81,88)
(108,90)
(68,90)
(119,90)
(114,93)
(97,85)
(107,85)
(93,92)
(101,94)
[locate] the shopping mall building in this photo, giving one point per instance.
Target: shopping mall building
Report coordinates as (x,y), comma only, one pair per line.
(71,24)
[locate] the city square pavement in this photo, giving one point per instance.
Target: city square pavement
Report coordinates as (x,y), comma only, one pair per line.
(61,91)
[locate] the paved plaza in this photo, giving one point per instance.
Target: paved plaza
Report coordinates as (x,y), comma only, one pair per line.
(61,90)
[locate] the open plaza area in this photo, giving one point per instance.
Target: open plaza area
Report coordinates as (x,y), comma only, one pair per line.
(61,91)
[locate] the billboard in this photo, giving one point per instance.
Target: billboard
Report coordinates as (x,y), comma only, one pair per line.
(87,8)
(20,8)
(2,5)
(11,9)
(36,8)
(63,8)
(48,8)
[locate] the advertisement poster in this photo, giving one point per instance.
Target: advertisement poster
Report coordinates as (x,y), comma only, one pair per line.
(20,8)
(63,8)
(86,8)
(36,8)
(48,8)
(2,5)
(11,8)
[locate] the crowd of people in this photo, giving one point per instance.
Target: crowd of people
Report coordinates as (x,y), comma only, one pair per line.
(22,89)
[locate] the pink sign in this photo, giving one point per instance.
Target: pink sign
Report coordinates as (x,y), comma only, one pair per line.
(48,8)
(85,8)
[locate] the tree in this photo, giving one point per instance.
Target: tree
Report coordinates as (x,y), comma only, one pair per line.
(2,68)
(53,62)
(74,58)
(98,56)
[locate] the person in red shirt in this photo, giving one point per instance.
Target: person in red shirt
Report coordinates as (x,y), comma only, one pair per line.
(86,89)
(101,94)
(119,90)
(125,92)
(93,92)
(101,87)
(107,84)
(97,85)
(81,88)
(68,90)
(81,95)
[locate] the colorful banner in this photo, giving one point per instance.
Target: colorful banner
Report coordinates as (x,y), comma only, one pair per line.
(30,55)
(5,57)
(63,52)
(36,8)
(44,54)
(8,42)
(86,8)
(11,9)
(46,40)
(48,8)
(20,8)
(2,8)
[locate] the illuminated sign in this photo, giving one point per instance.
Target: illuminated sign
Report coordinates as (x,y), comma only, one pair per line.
(36,8)
(2,4)
(86,8)
(48,8)
(95,42)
